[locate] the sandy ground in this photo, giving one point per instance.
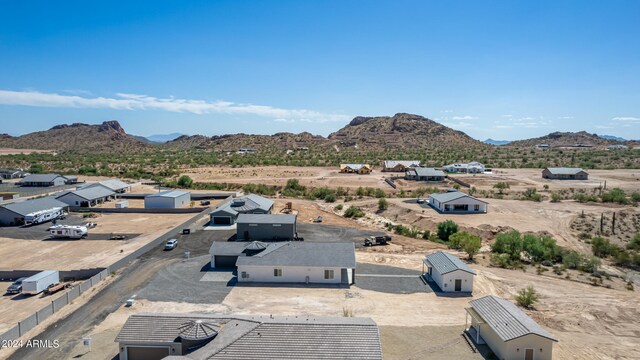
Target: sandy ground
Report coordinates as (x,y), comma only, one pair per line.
(10,151)
(82,254)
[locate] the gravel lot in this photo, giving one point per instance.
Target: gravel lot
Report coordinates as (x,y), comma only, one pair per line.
(389,279)
(331,233)
(41,231)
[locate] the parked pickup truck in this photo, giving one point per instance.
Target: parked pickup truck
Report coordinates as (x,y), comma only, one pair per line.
(16,287)
(377,240)
(54,288)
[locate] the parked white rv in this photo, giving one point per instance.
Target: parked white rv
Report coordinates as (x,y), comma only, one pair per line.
(38,217)
(68,231)
(40,282)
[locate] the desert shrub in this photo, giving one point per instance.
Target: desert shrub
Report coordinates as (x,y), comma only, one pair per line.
(555,197)
(379,193)
(446,229)
(260,189)
(501,260)
(501,186)
(532,194)
(583,198)
(185,181)
(353,212)
(331,197)
(383,204)
(541,248)
(527,297)
(294,189)
(615,195)
(602,247)
(339,207)
(509,243)
(635,196)
(634,244)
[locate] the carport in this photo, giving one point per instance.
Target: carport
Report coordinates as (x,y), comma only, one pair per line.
(221,220)
(224,261)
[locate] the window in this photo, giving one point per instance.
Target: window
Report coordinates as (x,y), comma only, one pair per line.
(245,275)
(277,272)
(328,274)
(476,207)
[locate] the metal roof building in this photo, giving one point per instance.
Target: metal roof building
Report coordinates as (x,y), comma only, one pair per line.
(399,165)
(424,174)
(508,331)
(457,202)
(114,185)
(146,336)
(445,263)
(171,199)
(14,213)
(227,212)
(279,227)
(448,272)
(43,180)
(564,173)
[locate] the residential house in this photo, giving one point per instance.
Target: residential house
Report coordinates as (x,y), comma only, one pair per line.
(424,174)
(115,185)
(227,212)
(87,197)
(457,202)
(43,180)
(472,167)
(355,168)
(399,165)
(448,272)
(563,173)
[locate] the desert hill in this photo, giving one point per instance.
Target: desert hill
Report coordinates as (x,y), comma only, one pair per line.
(560,139)
(106,137)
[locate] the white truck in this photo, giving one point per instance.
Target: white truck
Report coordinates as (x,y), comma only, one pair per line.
(68,231)
(40,282)
(38,217)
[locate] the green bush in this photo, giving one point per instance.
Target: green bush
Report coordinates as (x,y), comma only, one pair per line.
(185,181)
(527,297)
(331,197)
(615,195)
(509,243)
(446,229)
(353,212)
(555,197)
(602,247)
(383,204)
(339,207)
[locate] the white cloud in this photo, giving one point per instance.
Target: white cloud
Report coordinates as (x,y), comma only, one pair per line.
(626,118)
(506,116)
(565,117)
(285,120)
(124,101)
(466,117)
(446,111)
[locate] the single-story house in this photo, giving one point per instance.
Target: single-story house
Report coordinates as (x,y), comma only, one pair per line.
(12,174)
(287,262)
(617,147)
(472,167)
(227,212)
(563,173)
(424,174)
(71,179)
(115,185)
(87,197)
(457,202)
(43,180)
(399,165)
(149,336)
(508,331)
(12,214)
(355,168)
(172,199)
(448,272)
(279,227)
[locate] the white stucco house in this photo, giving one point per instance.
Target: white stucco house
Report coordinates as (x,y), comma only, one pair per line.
(448,272)
(472,167)
(509,332)
(287,262)
(457,202)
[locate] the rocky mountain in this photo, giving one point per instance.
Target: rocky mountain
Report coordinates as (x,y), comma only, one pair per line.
(496,142)
(566,139)
(401,131)
(106,137)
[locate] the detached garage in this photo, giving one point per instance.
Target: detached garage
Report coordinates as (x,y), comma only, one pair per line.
(448,272)
(172,199)
(266,227)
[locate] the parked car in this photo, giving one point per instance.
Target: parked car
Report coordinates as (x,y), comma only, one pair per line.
(420,200)
(16,287)
(171,244)
(205,202)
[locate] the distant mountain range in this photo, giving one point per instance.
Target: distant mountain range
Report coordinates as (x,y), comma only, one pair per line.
(496,142)
(611,137)
(383,133)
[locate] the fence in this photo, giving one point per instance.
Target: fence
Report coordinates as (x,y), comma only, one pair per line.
(60,302)
(458,181)
(142,210)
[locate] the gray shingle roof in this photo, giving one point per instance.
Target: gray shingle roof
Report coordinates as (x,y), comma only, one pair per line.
(40,178)
(423,171)
(405,163)
(264,337)
(444,263)
(506,319)
(244,204)
(169,194)
(450,196)
(26,207)
(112,184)
(266,219)
(91,193)
(564,170)
(311,254)
(227,247)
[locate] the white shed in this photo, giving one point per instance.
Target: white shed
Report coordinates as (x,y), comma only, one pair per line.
(171,199)
(448,272)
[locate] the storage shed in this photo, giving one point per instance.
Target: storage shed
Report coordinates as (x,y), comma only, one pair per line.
(87,197)
(508,331)
(280,227)
(172,199)
(457,202)
(43,180)
(227,212)
(12,214)
(448,272)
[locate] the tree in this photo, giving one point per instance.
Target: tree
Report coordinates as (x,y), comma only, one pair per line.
(185,181)
(527,297)
(36,168)
(383,204)
(471,245)
(501,186)
(446,229)
(508,243)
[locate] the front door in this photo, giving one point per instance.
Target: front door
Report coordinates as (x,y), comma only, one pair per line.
(458,286)
(528,354)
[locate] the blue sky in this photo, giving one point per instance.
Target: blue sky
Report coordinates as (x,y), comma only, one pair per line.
(499,69)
